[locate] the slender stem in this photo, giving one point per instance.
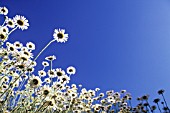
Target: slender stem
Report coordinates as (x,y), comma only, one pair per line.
(51,64)
(149,106)
(45,108)
(5,91)
(4,22)
(43,49)
(2,77)
(165,102)
(130,103)
(12,30)
(159,108)
(21,84)
(51,70)
(41,105)
(15,109)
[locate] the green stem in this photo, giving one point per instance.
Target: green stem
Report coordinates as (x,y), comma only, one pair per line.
(43,49)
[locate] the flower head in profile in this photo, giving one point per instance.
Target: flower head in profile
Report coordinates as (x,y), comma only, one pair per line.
(3,10)
(50,58)
(21,22)
(71,70)
(60,36)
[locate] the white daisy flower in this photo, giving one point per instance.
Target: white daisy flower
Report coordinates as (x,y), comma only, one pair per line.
(3,10)
(3,36)
(10,22)
(71,70)
(4,29)
(25,77)
(101,94)
(52,73)
(11,48)
(27,53)
(34,63)
(73,94)
(4,86)
(21,22)
(20,66)
(42,73)
(65,79)
(16,84)
(73,86)
(60,36)
(123,91)
(46,90)
(24,57)
(18,45)
(97,89)
(30,46)
(24,49)
(45,64)
(50,103)
(6,79)
(8,43)
(58,85)
(60,72)
(30,69)
(47,80)
(35,82)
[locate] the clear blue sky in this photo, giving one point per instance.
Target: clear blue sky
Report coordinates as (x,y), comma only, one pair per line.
(114,44)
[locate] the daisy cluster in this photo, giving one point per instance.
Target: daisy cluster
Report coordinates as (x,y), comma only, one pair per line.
(22,90)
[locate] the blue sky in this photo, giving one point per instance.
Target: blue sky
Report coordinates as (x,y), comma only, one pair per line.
(114,44)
